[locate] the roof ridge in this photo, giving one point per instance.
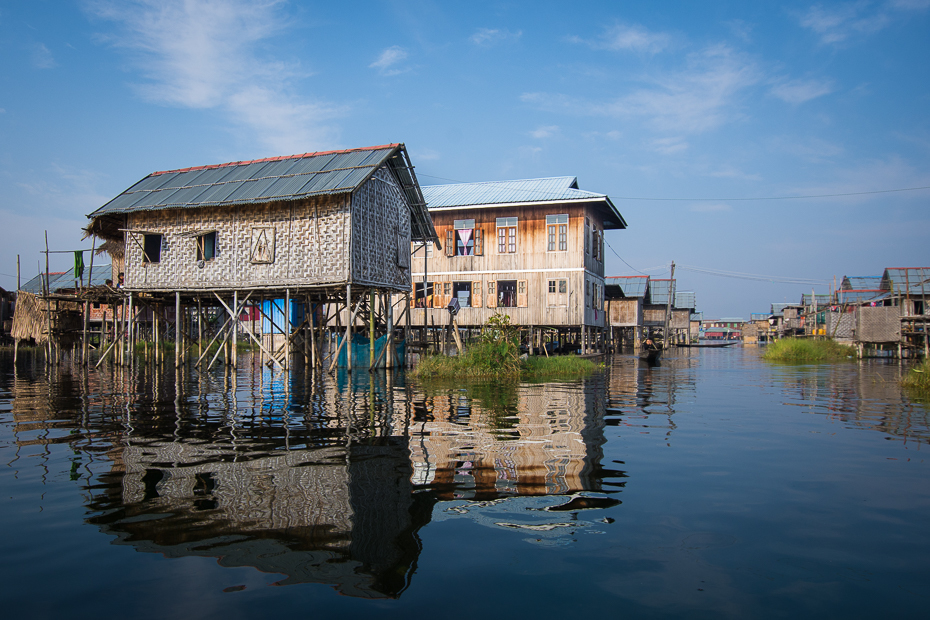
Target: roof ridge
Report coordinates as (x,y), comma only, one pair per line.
(564,176)
(279,158)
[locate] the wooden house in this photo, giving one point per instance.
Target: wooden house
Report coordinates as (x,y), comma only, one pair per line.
(625,299)
(312,221)
(533,249)
(319,228)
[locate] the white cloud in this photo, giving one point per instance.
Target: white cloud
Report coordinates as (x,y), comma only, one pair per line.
(799,91)
(837,23)
(628,37)
(910,5)
(669,146)
(545,132)
(701,96)
(487,37)
(203,54)
(388,59)
(42,57)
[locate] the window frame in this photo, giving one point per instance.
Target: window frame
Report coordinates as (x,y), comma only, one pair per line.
(507,235)
(557,232)
(201,243)
(148,252)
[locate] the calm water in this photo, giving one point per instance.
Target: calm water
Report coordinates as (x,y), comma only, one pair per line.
(715,485)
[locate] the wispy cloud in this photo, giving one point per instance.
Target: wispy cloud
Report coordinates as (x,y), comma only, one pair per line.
(701,96)
(838,23)
(628,37)
(486,37)
(668,146)
(387,62)
(42,57)
(203,54)
(799,91)
(545,132)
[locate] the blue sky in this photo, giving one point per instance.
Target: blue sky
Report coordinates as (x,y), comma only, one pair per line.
(706,103)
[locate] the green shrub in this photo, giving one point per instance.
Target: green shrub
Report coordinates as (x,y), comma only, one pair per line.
(808,350)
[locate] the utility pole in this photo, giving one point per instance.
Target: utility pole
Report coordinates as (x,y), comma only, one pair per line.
(668,308)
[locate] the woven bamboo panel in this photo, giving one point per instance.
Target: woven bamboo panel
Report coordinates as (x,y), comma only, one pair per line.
(880,324)
(380,228)
(841,325)
(309,246)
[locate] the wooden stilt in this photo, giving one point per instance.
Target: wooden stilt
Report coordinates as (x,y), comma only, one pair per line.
(235,331)
(349,321)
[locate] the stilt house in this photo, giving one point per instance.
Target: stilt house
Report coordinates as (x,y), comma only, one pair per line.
(533,249)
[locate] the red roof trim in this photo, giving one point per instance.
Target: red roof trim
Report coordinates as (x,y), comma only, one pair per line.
(281,158)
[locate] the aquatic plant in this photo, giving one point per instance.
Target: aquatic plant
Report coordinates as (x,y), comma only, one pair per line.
(918,378)
(496,353)
(808,350)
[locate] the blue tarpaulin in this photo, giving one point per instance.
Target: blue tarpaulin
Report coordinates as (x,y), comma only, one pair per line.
(361,353)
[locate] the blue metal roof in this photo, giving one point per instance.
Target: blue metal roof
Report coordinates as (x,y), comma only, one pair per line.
(658,291)
(65,280)
(900,279)
(861,283)
(821,299)
(523,191)
(632,286)
(685,299)
(858,297)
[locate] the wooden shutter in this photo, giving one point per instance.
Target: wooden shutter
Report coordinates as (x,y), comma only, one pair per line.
(521,294)
(450,242)
(479,242)
(492,294)
(476,294)
(413,295)
(446,293)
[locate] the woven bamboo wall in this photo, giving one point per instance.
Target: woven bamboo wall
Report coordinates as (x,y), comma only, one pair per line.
(381,233)
(310,246)
(879,324)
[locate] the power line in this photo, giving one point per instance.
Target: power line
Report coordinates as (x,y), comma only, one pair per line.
(757,277)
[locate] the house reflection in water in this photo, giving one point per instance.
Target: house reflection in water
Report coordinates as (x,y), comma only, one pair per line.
(327,485)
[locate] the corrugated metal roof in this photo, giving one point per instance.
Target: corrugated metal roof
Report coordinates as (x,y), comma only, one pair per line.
(899,279)
(58,280)
(274,179)
(658,291)
(861,283)
(552,189)
(821,299)
(632,286)
(858,297)
(685,299)
(247,182)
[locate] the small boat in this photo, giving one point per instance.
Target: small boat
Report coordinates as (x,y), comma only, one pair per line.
(649,351)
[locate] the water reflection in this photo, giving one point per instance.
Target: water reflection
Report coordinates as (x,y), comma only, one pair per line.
(322,480)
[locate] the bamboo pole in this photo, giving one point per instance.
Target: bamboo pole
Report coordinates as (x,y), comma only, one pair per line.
(287,329)
(235,334)
(349,322)
(177,329)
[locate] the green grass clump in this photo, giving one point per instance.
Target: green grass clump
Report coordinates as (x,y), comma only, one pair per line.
(497,354)
(804,350)
(918,377)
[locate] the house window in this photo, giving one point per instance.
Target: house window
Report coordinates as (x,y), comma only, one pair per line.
(206,246)
(506,293)
(596,244)
(151,248)
(462,290)
(506,235)
(558,292)
(557,232)
(418,249)
(587,236)
(422,300)
(464,237)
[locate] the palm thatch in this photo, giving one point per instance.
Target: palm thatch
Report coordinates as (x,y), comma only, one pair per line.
(29,320)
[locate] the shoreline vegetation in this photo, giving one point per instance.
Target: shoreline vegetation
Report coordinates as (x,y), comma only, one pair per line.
(808,350)
(918,378)
(496,354)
